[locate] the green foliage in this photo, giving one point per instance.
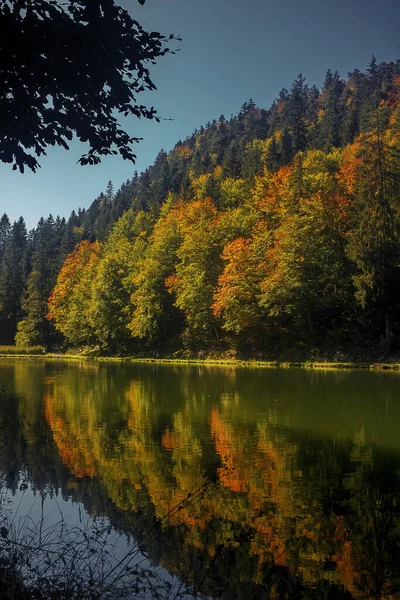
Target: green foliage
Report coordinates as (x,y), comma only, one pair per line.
(196,271)
(46,258)
(153,316)
(13,271)
(70,304)
(113,283)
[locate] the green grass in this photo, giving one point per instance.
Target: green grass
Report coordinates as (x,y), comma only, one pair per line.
(13,351)
(21,350)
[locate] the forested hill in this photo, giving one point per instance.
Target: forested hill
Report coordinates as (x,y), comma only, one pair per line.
(270,229)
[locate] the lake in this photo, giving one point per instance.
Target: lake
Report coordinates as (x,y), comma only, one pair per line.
(241,483)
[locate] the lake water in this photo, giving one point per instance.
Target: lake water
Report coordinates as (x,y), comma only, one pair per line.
(241,483)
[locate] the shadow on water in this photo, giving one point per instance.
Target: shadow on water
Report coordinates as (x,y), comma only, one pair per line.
(253,484)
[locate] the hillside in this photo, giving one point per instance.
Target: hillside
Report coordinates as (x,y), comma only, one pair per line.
(275,231)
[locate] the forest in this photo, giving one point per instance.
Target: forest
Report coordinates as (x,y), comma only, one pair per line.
(274,233)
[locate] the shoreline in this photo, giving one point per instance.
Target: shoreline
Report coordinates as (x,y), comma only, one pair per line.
(218,362)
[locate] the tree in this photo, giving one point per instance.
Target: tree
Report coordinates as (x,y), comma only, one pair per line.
(153,316)
(34,328)
(286,150)
(70,303)
(196,272)
(330,125)
(307,268)
(113,283)
(5,228)
(296,112)
(69,69)
(374,240)
(235,299)
(12,280)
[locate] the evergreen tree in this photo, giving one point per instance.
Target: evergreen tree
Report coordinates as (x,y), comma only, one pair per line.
(352,102)
(286,147)
(296,114)
(374,245)
(330,126)
(232,159)
(5,228)
(110,190)
(12,280)
(274,160)
(34,328)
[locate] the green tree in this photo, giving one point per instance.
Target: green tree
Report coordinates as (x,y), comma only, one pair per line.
(274,160)
(296,113)
(5,228)
(307,269)
(70,303)
(286,151)
(113,283)
(196,272)
(13,270)
(374,242)
(153,315)
(34,328)
(330,125)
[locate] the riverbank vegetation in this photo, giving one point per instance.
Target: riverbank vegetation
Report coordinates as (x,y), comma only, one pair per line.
(272,235)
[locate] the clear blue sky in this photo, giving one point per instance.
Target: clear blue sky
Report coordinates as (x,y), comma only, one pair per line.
(231,50)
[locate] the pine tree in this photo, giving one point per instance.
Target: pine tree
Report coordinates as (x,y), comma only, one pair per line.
(12,280)
(274,160)
(330,126)
(34,328)
(110,190)
(296,114)
(5,228)
(286,147)
(373,244)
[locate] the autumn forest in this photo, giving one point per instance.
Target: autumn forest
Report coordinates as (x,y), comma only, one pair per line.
(274,232)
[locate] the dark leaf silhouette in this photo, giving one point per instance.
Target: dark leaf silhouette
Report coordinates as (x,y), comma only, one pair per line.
(71,69)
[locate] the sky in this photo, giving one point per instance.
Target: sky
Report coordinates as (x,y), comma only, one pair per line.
(231,50)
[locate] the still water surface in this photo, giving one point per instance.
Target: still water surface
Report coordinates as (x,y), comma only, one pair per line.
(253,483)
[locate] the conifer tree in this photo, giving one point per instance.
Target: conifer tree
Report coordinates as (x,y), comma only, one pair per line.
(286,147)
(374,242)
(330,127)
(5,228)
(296,113)
(12,280)
(34,328)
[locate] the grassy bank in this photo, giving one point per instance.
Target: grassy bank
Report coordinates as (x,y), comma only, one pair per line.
(22,351)
(90,354)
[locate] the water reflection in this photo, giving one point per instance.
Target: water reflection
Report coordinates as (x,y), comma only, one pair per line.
(263,483)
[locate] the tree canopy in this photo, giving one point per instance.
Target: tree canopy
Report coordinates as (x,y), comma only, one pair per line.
(68,69)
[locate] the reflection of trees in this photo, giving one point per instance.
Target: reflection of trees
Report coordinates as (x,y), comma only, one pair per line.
(374,539)
(282,513)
